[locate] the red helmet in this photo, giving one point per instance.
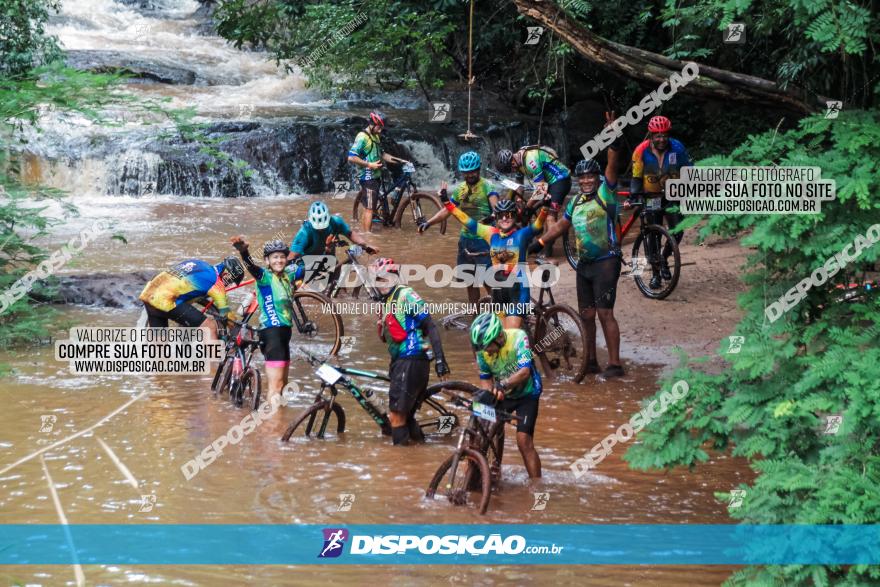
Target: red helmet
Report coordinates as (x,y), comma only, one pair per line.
(378,119)
(384,265)
(659,124)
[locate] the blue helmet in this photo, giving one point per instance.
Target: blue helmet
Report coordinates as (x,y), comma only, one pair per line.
(469,161)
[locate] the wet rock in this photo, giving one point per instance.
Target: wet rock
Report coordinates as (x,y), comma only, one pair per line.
(106,290)
(154,69)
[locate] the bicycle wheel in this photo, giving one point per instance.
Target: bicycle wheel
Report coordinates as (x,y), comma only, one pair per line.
(220,384)
(251,388)
(649,245)
(561,342)
(416,207)
(569,245)
(456,479)
(317,414)
(320,329)
(462,387)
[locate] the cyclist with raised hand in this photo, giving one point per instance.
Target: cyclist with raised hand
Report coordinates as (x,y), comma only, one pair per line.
(509,376)
(594,215)
(165,296)
(406,327)
(653,162)
(542,166)
(275,300)
(366,152)
(507,249)
(477,197)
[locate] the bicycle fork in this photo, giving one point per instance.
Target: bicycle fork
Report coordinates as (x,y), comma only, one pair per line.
(459,450)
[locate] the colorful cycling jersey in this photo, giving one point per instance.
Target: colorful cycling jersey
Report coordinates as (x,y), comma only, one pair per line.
(474,201)
(650,175)
(403,315)
(508,250)
(274,294)
(369,148)
(513,356)
(311,241)
(596,226)
(540,165)
(185,281)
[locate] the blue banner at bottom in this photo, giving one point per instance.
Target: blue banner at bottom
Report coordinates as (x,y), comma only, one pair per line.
(516,544)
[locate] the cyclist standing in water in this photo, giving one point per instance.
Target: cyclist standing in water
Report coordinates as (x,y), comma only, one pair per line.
(509,376)
(542,166)
(165,295)
(366,152)
(275,300)
(507,249)
(404,326)
(477,197)
(653,162)
(594,215)
(312,237)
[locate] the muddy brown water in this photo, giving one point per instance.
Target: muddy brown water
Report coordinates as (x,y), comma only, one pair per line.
(263,481)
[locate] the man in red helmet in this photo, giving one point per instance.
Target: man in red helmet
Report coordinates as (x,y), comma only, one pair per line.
(366,153)
(654,161)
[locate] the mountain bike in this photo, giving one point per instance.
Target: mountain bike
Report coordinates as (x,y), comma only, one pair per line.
(317,417)
(475,465)
(402,194)
(235,375)
(330,279)
(652,247)
(557,333)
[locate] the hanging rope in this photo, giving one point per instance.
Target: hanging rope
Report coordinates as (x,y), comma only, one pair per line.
(468,135)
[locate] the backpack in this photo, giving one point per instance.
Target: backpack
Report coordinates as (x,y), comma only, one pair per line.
(395,328)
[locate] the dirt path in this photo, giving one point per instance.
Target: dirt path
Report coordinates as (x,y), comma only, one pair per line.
(696,317)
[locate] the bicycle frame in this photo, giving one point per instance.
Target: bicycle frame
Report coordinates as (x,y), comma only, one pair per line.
(402,183)
(476,434)
(361,395)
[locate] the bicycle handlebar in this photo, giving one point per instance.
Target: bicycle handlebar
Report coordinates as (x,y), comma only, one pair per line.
(464,402)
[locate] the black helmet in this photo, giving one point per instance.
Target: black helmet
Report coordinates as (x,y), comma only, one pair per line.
(504,160)
(505,206)
(585,166)
(276,246)
(232,271)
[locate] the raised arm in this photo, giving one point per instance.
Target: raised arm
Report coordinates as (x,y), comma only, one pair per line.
(243,249)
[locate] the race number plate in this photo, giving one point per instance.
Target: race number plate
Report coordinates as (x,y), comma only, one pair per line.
(483,411)
(653,204)
(328,374)
(511,185)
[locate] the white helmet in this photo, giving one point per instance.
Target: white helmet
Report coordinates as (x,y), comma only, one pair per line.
(319,215)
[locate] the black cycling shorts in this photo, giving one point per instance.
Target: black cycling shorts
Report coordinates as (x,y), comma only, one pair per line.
(409,380)
(525,408)
(184,314)
(515,300)
(369,193)
(597,283)
(558,190)
(275,344)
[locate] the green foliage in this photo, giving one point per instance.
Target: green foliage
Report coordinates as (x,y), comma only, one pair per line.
(23,42)
(820,358)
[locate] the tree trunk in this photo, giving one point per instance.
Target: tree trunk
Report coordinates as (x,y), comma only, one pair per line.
(645,66)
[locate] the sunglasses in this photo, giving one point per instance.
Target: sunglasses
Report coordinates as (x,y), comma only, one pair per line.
(505,215)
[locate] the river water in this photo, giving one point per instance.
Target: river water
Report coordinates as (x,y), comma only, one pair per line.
(261,480)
